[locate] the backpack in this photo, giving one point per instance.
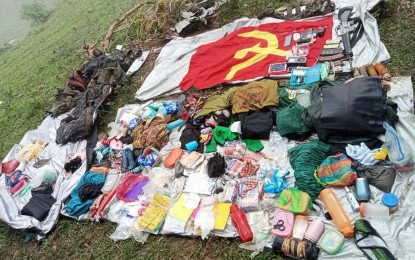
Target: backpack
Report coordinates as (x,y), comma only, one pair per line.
(151,132)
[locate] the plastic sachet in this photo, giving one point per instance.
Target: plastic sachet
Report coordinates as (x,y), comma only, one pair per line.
(235,149)
(229,192)
(205,219)
(153,217)
(249,193)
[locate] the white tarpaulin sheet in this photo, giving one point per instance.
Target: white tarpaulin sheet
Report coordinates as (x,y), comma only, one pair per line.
(10,206)
(173,61)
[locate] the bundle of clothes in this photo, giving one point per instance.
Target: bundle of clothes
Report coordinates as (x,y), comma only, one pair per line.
(86,90)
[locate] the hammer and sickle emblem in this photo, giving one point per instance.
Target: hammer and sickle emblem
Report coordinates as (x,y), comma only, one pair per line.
(261,52)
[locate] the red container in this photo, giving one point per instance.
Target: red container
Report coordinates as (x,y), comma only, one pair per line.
(241,223)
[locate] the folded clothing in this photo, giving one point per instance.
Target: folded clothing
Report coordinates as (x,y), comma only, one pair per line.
(222,134)
(288,94)
(76,207)
(89,191)
(289,123)
(255,95)
(40,203)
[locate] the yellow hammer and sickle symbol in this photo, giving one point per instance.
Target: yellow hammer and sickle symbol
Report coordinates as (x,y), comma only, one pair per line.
(261,52)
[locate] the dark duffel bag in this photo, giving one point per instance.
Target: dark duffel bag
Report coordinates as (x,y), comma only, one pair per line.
(257,124)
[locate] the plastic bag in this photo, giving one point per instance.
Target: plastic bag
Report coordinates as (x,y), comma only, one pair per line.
(128,182)
(116,129)
(169,107)
(205,219)
(33,150)
(159,177)
(123,231)
(140,236)
(260,227)
(216,166)
(275,182)
(398,152)
(46,174)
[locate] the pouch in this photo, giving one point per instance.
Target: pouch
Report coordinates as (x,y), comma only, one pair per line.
(284,229)
(294,200)
(173,156)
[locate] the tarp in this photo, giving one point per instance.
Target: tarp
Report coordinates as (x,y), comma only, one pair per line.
(248,53)
(398,230)
(10,206)
(173,61)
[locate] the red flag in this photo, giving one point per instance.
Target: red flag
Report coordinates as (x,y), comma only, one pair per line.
(248,52)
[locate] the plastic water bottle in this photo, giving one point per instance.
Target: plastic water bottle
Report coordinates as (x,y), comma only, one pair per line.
(335,208)
(240,222)
(374,211)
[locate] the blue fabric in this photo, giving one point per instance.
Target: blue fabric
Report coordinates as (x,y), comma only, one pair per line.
(75,206)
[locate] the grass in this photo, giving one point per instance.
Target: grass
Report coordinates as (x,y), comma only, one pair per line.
(12,27)
(31,73)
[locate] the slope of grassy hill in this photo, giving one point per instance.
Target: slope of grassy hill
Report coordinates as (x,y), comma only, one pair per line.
(31,72)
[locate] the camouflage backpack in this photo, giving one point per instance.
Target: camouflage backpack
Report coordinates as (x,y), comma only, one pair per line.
(151,132)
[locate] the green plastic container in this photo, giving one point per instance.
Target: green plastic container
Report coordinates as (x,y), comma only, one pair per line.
(331,241)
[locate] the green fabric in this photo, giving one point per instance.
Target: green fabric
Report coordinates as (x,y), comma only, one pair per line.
(253,145)
(217,102)
(289,120)
(221,134)
(305,159)
(288,94)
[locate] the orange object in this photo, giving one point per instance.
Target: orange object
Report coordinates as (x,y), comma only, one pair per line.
(382,71)
(173,156)
(337,213)
(105,203)
(104,170)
